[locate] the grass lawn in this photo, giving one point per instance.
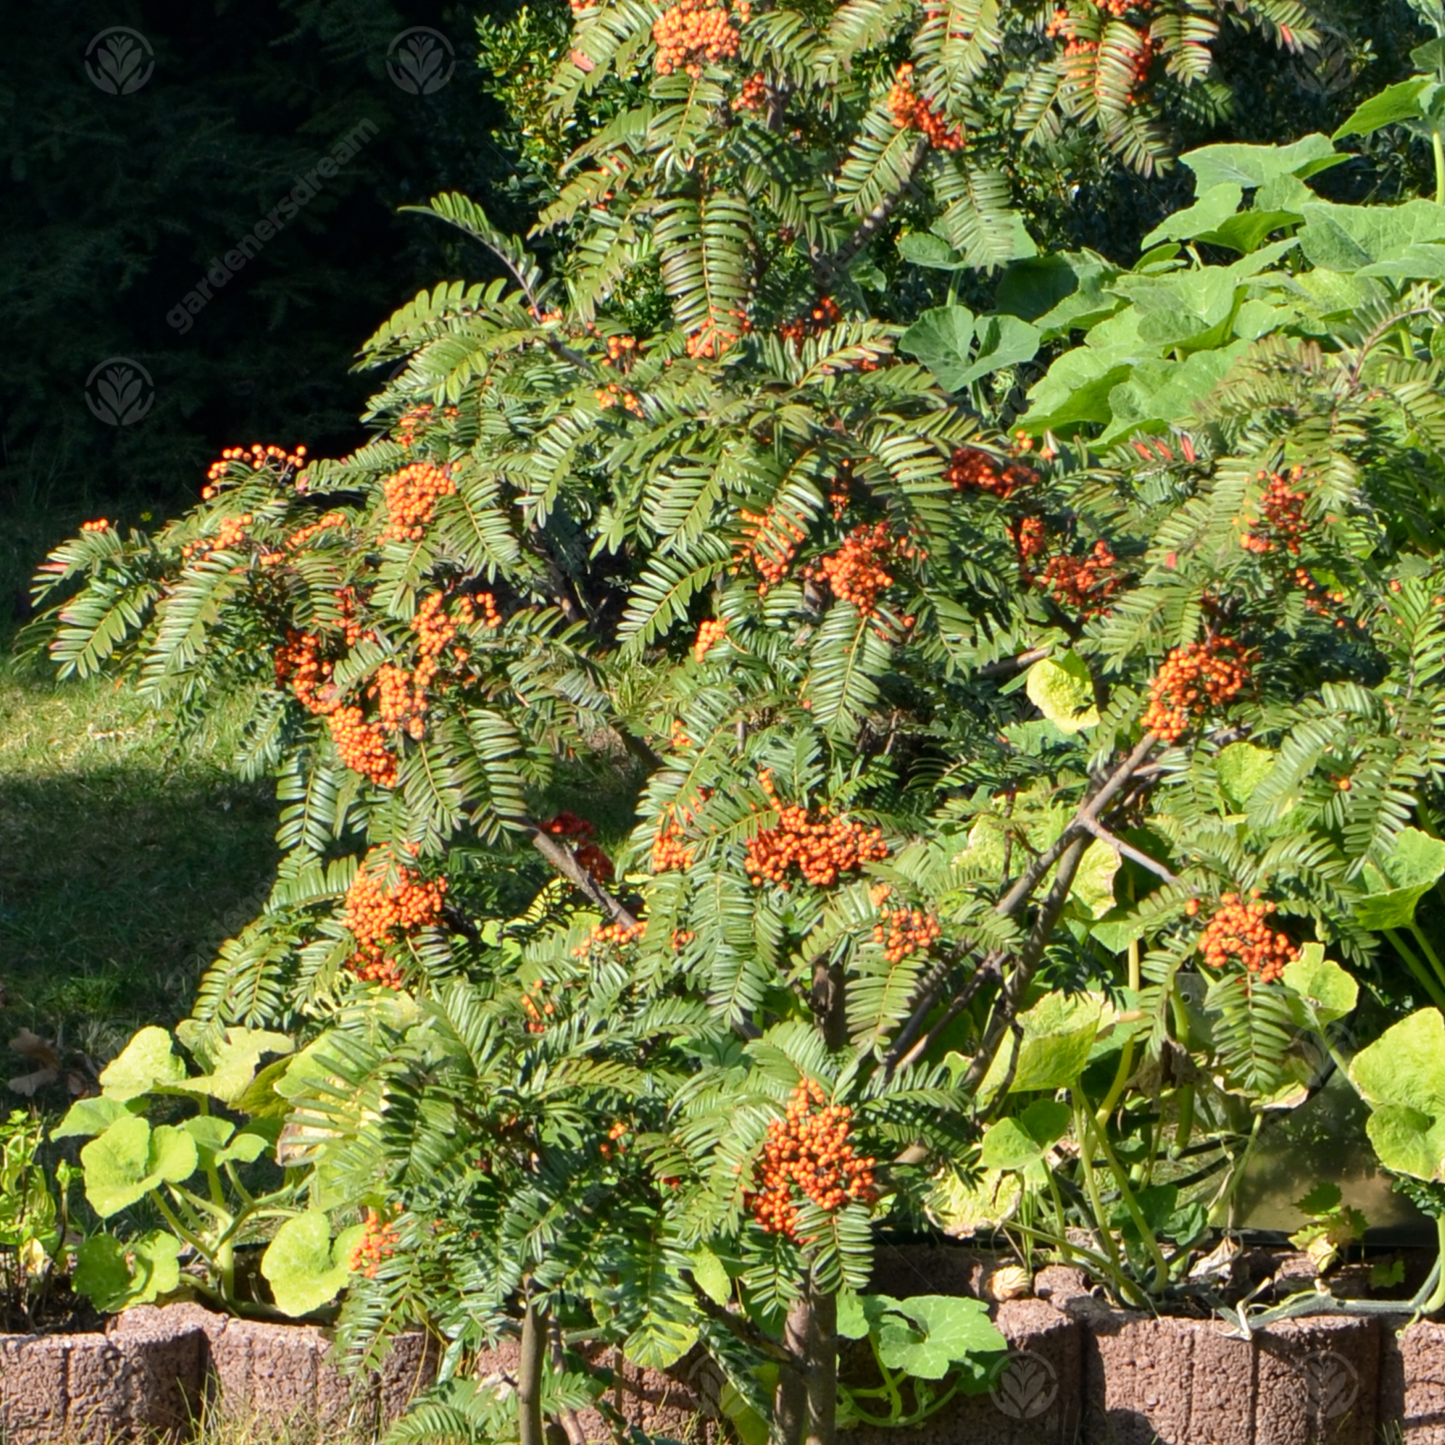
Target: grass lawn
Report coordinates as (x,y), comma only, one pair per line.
(125,858)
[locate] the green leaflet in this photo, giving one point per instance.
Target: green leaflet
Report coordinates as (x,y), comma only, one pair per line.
(129,1159)
(304,1268)
(1402,1076)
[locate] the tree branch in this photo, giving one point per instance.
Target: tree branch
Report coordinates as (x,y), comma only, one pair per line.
(563,861)
(989,971)
(1011,995)
(828,269)
(1089,811)
(1129,851)
(739,1326)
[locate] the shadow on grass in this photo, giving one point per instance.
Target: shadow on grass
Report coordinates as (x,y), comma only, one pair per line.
(117,884)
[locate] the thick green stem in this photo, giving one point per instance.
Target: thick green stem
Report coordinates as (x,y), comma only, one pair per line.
(1126,1057)
(1093,1134)
(1437,1296)
(1429,949)
(1437,144)
(1416,966)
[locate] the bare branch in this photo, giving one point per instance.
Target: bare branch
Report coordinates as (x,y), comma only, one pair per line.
(1007,666)
(1011,996)
(1129,851)
(1090,810)
(567,865)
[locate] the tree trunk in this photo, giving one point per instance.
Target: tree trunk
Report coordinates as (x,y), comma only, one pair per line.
(807,1398)
(529,1378)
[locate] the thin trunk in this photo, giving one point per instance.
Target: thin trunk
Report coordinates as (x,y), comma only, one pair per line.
(807,1399)
(529,1378)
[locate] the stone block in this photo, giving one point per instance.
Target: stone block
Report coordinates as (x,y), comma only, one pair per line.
(1033,1399)
(1412,1384)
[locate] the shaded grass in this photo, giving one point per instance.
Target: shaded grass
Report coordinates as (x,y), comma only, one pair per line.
(126,857)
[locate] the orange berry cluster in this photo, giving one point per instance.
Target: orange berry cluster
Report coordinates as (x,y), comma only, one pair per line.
(378,910)
(410,422)
(606,936)
(693,32)
(970,468)
(410,497)
(1031,541)
(669,851)
(904,931)
(256,457)
(378,1243)
(1282,515)
(303,535)
(772,543)
(678,736)
(842,489)
(99,525)
(714,339)
(1240,931)
(539,1009)
(347,602)
(615,1135)
(822,848)
(361,746)
(619,348)
(709,632)
(1319,599)
(825,314)
(1086,584)
(1192,680)
(1084,53)
(300,666)
(808,1153)
(401,701)
(856,571)
(230,534)
(613,395)
(911,111)
(753,94)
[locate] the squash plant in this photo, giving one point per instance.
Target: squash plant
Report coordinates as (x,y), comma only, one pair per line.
(190,1173)
(1007,796)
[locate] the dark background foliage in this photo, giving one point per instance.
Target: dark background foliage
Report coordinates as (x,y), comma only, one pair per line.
(111,207)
